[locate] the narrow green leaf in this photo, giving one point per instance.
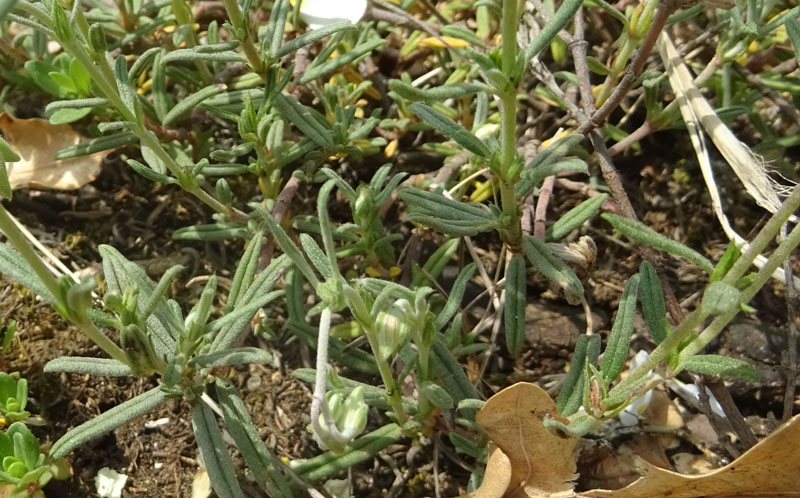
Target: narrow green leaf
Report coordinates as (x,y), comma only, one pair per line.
(313,36)
(725,264)
(245,271)
(14,266)
(450,129)
(532,178)
(437,395)
(436,263)
(359,450)
(214,452)
(5,184)
(93,366)
(212,232)
(189,103)
(620,338)
(575,217)
(108,421)
(286,244)
(7,154)
(260,289)
(230,357)
(96,145)
(793,32)
(331,65)
(300,116)
(150,174)
(121,274)
(551,266)
(456,295)
(514,311)
(641,233)
(652,297)
(571,395)
(721,366)
(67,115)
(551,29)
(260,461)
(452,375)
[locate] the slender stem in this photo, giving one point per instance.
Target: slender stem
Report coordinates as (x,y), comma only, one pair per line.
(392,389)
(512,232)
(237,21)
(665,9)
(775,260)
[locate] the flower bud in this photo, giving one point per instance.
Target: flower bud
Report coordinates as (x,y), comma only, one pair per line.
(393,328)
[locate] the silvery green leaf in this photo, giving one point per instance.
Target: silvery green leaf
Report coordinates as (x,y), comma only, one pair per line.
(13,265)
(189,103)
(230,357)
(214,451)
(451,129)
(108,421)
(570,397)
(331,65)
(261,288)
(551,29)
(516,301)
(313,36)
(447,215)
(575,217)
(213,232)
(551,266)
(260,461)
(96,145)
(532,178)
(300,116)
(454,299)
(437,395)
(121,274)
(653,307)
(577,427)
(359,450)
(245,271)
(452,375)
(435,94)
(721,366)
(641,233)
(93,366)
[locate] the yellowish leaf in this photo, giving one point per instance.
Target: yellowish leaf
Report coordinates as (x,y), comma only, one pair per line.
(36,141)
(497,476)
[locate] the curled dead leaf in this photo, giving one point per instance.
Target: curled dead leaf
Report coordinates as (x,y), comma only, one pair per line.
(36,141)
(541,463)
(770,468)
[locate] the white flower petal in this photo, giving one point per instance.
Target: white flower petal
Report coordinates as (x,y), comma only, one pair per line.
(318,13)
(109,483)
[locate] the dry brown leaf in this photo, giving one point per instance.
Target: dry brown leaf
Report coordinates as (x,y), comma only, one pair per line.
(770,468)
(542,464)
(497,476)
(36,141)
